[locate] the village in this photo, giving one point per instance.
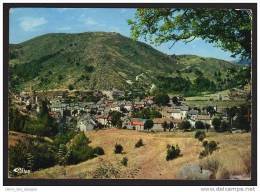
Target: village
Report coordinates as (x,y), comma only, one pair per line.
(71,108)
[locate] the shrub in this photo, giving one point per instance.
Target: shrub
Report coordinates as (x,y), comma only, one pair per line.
(162,99)
(80,150)
(118,148)
(71,87)
(199,125)
(124,161)
(209,148)
(98,151)
(212,146)
(200,135)
(216,122)
(148,124)
(106,171)
(139,143)
(184,125)
(172,152)
(205,143)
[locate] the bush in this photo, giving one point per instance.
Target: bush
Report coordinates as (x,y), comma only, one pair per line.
(98,151)
(148,124)
(205,143)
(199,125)
(80,150)
(162,99)
(216,122)
(71,87)
(212,146)
(185,125)
(172,152)
(209,148)
(124,161)
(118,148)
(200,135)
(139,143)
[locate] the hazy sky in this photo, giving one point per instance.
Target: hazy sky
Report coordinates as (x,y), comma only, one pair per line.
(26,23)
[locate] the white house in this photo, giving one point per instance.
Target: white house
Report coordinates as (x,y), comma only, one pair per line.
(176,114)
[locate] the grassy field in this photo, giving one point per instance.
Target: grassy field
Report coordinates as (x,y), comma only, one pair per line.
(148,162)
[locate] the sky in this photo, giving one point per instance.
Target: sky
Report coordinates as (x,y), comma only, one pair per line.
(26,23)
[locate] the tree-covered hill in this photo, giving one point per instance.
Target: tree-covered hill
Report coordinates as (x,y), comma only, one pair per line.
(100,60)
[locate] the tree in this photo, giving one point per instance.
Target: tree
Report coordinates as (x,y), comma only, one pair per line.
(118,148)
(200,135)
(229,29)
(210,110)
(148,124)
(231,112)
(171,126)
(199,125)
(161,99)
(184,125)
(116,118)
(216,122)
(71,87)
(165,126)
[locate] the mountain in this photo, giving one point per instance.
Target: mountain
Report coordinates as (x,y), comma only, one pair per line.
(245,62)
(99,60)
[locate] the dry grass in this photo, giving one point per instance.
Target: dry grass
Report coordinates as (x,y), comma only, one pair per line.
(148,161)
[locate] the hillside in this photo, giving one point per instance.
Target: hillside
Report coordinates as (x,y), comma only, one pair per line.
(148,162)
(100,61)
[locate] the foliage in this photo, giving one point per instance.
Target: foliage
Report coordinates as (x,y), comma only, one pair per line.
(31,154)
(41,125)
(139,143)
(216,122)
(200,135)
(172,152)
(161,99)
(199,125)
(184,125)
(79,150)
(71,87)
(116,118)
(161,25)
(98,151)
(209,148)
(118,148)
(177,84)
(148,124)
(124,161)
(203,84)
(147,113)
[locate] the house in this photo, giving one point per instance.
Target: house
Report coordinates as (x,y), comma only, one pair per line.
(138,124)
(167,111)
(115,107)
(184,111)
(139,104)
(86,122)
(176,114)
(103,119)
(158,123)
(193,114)
(204,119)
(128,106)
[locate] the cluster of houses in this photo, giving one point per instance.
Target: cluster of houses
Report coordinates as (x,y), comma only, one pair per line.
(90,115)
